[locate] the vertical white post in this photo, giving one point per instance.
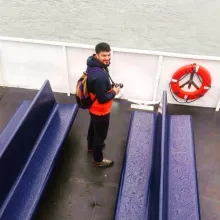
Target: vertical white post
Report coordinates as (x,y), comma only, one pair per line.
(112,54)
(65,64)
(218,105)
(159,64)
(121,93)
(1,70)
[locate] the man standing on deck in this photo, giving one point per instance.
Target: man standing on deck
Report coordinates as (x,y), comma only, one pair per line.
(103,93)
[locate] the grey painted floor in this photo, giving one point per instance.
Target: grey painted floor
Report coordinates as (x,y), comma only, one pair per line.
(79,191)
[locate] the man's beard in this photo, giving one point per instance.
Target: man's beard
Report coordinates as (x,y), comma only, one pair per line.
(107,64)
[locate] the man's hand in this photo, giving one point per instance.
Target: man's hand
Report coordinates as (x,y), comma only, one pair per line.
(117,90)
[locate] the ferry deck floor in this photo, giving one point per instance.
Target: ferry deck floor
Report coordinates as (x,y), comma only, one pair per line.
(79,191)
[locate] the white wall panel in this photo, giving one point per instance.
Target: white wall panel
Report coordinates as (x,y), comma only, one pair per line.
(170,65)
(137,72)
(76,58)
(28,65)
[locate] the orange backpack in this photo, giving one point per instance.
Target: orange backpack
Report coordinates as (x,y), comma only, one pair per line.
(83,98)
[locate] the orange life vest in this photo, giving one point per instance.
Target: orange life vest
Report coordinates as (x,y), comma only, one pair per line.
(98,108)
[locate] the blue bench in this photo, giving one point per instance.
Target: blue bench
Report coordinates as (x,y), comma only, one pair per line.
(133,193)
(158,179)
(29,146)
(179,197)
(138,193)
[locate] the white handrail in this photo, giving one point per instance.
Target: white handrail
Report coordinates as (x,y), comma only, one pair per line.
(159,64)
(160,55)
(115,49)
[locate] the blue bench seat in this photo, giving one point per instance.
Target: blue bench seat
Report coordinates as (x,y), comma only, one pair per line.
(134,186)
(30,146)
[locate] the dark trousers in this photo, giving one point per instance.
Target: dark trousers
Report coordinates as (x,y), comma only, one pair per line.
(97,134)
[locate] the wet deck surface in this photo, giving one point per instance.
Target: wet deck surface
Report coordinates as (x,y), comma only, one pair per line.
(79,191)
(206,124)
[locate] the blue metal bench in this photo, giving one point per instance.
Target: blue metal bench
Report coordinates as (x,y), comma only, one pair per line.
(29,147)
(133,193)
(183,188)
(138,194)
(158,180)
(179,197)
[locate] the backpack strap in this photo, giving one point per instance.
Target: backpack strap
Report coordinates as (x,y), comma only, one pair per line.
(88,83)
(89,91)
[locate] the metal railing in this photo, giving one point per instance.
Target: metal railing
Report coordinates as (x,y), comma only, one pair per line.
(65,45)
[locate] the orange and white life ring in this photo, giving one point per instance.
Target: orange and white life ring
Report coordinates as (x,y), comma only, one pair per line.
(203,75)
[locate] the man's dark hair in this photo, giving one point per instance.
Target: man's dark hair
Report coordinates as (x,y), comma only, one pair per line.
(102,47)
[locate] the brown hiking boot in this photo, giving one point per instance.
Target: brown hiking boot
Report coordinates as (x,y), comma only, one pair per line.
(104,163)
